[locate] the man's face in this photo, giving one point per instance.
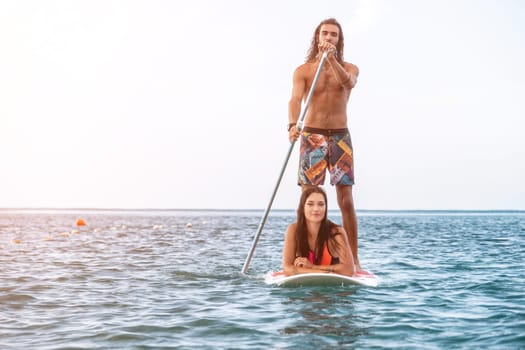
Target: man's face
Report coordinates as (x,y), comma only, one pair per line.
(329,33)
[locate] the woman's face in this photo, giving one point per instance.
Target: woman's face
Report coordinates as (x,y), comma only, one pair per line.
(315,207)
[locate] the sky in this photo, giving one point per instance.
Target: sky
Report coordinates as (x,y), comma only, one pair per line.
(172,104)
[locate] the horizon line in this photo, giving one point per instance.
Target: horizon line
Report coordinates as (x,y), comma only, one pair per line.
(249,209)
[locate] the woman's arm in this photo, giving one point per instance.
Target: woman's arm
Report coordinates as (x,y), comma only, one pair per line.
(289,249)
(293,265)
(342,250)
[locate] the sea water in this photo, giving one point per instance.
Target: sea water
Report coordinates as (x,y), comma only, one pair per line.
(171,280)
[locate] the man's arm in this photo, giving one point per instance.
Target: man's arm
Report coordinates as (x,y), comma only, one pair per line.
(294,106)
(346,75)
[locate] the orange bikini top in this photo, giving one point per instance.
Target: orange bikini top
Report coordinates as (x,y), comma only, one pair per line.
(326,258)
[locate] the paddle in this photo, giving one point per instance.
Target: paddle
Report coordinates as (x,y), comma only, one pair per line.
(299,127)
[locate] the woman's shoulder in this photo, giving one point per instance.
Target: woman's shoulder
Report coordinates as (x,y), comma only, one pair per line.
(290,230)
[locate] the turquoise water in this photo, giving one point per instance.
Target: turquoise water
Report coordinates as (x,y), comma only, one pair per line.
(145,280)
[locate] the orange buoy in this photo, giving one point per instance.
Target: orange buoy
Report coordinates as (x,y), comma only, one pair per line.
(81,222)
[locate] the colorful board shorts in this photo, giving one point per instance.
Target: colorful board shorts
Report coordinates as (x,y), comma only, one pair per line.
(323,149)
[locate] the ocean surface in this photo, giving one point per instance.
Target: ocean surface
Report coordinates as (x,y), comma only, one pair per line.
(171,279)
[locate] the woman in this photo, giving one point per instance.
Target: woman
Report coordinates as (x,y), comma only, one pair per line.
(314,243)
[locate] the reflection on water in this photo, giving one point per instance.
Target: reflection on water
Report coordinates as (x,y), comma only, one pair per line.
(327,313)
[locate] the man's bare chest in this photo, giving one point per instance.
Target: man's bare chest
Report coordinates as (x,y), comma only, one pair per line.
(327,82)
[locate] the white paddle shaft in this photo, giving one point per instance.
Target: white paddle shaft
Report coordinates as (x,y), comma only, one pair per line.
(299,125)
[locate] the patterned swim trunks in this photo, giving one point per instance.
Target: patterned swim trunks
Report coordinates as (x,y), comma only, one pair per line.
(323,149)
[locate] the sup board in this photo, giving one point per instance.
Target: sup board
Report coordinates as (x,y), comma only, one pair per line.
(279,279)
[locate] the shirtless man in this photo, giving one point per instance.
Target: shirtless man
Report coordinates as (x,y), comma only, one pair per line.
(325,139)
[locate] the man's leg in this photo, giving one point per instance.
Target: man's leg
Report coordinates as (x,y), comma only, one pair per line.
(345,201)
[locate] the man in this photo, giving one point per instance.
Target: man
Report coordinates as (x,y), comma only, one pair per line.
(325,139)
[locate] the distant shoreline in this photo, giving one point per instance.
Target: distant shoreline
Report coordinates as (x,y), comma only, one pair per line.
(362,211)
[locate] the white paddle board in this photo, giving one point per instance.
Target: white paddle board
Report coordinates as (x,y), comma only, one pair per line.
(279,279)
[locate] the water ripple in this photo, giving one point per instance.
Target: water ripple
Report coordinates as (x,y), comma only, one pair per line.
(153,280)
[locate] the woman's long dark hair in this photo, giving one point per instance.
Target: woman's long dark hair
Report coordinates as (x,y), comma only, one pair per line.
(301,233)
(313,51)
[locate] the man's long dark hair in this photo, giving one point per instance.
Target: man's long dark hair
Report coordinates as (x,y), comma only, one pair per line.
(301,233)
(313,51)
